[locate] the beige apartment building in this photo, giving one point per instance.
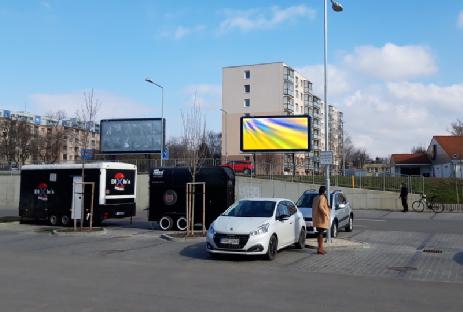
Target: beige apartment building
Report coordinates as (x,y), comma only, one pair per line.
(67,135)
(275,89)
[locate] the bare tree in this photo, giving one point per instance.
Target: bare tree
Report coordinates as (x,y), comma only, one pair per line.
(86,117)
(418,150)
(50,144)
(16,140)
(194,128)
(360,157)
(347,151)
(456,128)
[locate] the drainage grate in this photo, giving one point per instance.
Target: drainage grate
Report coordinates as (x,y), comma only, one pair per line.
(437,251)
(402,268)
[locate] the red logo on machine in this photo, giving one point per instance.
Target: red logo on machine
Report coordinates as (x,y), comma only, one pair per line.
(119,181)
(42,191)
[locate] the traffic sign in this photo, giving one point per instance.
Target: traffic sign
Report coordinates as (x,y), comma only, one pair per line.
(326,157)
(165,154)
(86,154)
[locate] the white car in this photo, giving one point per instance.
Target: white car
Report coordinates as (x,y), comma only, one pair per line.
(257,226)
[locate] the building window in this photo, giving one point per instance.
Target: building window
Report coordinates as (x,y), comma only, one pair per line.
(247,74)
(247,102)
(247,88)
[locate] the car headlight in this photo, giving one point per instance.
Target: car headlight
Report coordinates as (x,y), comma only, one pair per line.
(211,230)
(260,230)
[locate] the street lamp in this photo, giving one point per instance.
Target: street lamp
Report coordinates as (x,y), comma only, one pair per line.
(162,113)
(225,133)
(337,7)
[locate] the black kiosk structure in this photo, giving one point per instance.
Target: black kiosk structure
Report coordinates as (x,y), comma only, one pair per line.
(168,195)
(54,192)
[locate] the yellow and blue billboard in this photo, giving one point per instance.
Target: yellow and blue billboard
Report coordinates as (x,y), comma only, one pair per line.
(275,133)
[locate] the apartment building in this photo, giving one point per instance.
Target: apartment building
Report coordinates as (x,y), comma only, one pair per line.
(274,89)
(69,132)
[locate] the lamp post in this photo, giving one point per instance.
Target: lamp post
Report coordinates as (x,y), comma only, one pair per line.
(162,113)
(225,134)
(337,7)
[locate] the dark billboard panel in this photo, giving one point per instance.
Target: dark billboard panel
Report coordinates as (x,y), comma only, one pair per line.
(275,133)
(134,135)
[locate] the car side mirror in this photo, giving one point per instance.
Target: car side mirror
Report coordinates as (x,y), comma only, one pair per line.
(283,218)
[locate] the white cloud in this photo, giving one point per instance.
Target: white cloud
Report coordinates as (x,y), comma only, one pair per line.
(460,20)
(208,96)
(391,115)
(338,79)
(449,98)
(112,106)
(382,125)
(181,32)
(254,19)
(392,62)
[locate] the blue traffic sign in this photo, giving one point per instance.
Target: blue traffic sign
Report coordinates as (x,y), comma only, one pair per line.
(165,154)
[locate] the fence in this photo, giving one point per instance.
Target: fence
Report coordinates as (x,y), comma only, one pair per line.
(447,190)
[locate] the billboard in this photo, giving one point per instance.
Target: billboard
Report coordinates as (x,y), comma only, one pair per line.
(275,133)
(133,135)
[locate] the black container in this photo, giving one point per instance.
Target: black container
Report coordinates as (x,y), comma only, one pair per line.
(47,191)
(168,194)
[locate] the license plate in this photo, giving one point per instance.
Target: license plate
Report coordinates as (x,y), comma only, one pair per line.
(230,241)
(120,213)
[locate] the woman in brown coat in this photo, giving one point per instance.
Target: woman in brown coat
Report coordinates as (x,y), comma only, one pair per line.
(321,217)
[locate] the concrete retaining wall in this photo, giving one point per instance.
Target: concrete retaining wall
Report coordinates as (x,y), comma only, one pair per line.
(359,198)
(245,187)
(9,194)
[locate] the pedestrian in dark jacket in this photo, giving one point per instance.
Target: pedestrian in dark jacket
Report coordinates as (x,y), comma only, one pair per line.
(404,196)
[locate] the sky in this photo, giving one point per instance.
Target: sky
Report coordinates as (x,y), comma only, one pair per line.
(395,67)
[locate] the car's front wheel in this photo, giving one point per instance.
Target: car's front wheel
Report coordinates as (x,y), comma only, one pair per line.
(272,248)
(300,244)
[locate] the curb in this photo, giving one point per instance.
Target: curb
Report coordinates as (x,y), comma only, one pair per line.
(57,232)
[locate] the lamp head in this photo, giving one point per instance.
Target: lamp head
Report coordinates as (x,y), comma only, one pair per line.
(337,7)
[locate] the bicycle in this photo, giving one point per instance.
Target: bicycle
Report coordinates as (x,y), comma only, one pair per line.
(418,205)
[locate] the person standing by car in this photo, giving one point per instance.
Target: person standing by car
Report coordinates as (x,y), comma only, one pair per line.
(321,217)
(404,196)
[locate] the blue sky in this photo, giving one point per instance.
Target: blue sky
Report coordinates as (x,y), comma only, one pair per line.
(395,69)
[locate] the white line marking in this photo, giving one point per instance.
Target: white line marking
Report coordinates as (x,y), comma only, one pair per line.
(373,220)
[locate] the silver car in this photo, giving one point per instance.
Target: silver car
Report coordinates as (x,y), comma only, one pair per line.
(342,216)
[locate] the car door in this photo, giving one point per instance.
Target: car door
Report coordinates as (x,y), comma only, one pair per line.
(341,210)
(282,224)
(294,221)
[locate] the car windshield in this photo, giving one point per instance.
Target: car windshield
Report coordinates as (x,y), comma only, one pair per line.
(251,208)
(306,200)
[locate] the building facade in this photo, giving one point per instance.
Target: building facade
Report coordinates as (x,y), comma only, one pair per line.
(49,139)
(276,89)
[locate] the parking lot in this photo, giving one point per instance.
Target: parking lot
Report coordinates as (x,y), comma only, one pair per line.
(393,264)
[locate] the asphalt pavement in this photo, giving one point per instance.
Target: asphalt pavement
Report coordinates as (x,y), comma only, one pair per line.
(130,268)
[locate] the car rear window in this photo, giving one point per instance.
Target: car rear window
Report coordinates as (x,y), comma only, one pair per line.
(306,200)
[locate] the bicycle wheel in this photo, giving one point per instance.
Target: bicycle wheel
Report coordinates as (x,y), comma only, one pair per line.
(437,208)
(418,206)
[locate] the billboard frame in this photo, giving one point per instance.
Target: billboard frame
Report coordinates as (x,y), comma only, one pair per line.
(249,151)
(157,151)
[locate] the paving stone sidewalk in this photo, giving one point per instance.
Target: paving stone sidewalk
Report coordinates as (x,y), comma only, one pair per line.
(403,255)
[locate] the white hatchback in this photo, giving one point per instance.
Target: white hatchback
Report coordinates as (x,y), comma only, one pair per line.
(257,226)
